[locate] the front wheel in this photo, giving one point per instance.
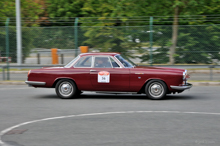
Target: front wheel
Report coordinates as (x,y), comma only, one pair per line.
(66,89)
(156,89)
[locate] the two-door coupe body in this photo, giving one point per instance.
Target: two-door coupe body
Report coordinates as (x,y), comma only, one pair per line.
(109,72)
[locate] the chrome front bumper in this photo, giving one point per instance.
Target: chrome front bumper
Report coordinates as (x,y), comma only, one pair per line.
(34,83)
(183,87)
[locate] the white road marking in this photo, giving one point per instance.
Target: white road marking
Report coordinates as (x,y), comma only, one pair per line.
(95,114)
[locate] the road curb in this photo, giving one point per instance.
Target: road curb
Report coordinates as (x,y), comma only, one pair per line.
(203,71)
(12,83)
(205,83)
(16,72)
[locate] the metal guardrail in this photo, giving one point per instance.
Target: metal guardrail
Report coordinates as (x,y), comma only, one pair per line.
(4,67)
(194,66)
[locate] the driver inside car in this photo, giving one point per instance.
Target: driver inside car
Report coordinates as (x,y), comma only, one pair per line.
(102,62)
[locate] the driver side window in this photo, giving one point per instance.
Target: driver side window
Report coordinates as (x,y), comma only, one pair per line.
(102,62)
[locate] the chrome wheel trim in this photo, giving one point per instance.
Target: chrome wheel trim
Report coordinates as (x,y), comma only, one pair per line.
(156,90)
(66,89)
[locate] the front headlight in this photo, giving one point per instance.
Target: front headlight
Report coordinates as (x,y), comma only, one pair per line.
(185,75)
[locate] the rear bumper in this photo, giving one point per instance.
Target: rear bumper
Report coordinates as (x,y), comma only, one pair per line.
(34,83)
(182,87)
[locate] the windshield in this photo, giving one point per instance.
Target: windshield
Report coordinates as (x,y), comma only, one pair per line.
(70,64)
(123,61)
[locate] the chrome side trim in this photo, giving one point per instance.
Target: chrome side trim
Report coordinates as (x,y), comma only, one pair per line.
(183,87)
(93,70)
(114,92)
(35,83)
(139,73)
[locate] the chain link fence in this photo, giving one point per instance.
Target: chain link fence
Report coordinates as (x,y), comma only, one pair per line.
(197,44)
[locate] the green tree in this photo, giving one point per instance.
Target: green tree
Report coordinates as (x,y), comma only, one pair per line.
(175,8)
(184,13)
(104,18)
(196,44)
(27,42)
(7,8)
(30,10)
(54,37)
(107,16)
(63,10)
(111,28)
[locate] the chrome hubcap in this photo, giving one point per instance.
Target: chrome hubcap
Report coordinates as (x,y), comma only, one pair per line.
(156,90)
(66,89)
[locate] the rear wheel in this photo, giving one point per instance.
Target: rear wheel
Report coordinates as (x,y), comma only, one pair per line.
(66,89)
(156,89)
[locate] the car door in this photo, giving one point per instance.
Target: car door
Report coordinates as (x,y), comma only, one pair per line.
(107,75)
(81,73)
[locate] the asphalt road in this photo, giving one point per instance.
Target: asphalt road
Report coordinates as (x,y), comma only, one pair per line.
(37,117)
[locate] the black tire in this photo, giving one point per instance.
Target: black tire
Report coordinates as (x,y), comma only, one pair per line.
(156,89)
(66,89)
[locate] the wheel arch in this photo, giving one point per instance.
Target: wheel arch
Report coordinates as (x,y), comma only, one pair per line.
(63,78)
(142,90)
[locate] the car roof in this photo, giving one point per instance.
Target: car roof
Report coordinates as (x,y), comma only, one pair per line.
(99,53)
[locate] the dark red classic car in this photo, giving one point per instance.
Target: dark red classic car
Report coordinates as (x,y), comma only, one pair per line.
(109,72)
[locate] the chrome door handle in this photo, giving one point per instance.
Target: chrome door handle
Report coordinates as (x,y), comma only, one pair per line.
(92,70)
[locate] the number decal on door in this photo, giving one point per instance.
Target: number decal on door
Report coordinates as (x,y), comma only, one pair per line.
(103,77)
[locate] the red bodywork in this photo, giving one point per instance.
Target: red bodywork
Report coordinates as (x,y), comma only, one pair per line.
(121,79)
